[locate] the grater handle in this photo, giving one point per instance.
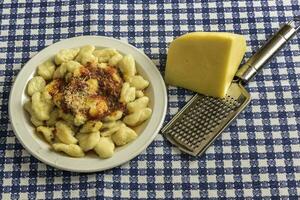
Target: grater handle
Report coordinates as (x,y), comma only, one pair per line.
(247,71)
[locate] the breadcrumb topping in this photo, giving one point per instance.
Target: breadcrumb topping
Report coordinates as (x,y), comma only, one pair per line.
(92,91)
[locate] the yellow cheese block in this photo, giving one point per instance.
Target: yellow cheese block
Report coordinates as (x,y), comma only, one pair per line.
(205,62)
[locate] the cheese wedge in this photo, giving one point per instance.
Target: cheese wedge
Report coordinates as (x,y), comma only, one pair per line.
(205,62)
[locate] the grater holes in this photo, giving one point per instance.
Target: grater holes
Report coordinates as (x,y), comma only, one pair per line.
(202,119)
(184,122)
(175,134)
(194,129)
(186,129)
(190,119)
(197,141)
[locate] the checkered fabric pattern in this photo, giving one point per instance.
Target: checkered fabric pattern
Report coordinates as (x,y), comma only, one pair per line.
(258,156)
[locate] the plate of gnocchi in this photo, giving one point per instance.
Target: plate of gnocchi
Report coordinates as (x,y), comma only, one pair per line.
(87,104)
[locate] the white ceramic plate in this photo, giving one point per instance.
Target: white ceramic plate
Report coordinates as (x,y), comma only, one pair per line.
(90,163)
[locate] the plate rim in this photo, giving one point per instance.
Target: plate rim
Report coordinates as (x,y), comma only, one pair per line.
(133,154)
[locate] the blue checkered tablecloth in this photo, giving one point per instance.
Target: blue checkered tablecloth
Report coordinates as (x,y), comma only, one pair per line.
(258,156)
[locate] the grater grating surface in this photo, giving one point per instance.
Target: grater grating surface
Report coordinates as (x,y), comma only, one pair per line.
(203,118)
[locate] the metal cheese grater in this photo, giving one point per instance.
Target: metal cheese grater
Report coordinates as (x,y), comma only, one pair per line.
(203,118)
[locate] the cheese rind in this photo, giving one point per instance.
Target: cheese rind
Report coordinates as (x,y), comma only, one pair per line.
(205,62)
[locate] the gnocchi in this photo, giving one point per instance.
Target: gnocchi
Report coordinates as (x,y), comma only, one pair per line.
(88,58)
(72,65)
(138,104)
(85,55)
(65,133)
(107,125)
(123,136)
(60,71)
(91,126)
(105,147)
(79,119)
(104,55)
(54,115)
(46,70)
(65,55)
(87,141)
(88,99)
(127,93)
(114,60)
(68,118)
(34,120)
(139,94)
(127,66)
(138,82)
(138,117)
(36,84)
(41,106)
(112,129)
(47,133)
(114,116)
(70,149)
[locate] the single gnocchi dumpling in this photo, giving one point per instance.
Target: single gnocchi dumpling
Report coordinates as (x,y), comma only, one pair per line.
(65,55)
(138,117)
(127,66)
(52,87)
(87,141)
(107,125)
(41,105)
(114,116)
(102,65)
(66,67)
(46,70)
(88,58)
(68,76)
(117,78)
(46,96)
(70,149)
(86,49)
(91,126)
(65,133)
(139,94)
(104,55)
(105,147)
(57,99)
(114,60)
(138,104)
(27,106)
(138,82)
(60,71)
(112,129)
(96,106)
(93,85)
(36,84)
(72,65)
(34,120)
(67,117)
(127,93)
(47,133)
(79,119)
(54,115)
(123,136)
(85,55)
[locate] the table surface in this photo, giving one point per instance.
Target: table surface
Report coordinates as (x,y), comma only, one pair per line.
(257,156)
